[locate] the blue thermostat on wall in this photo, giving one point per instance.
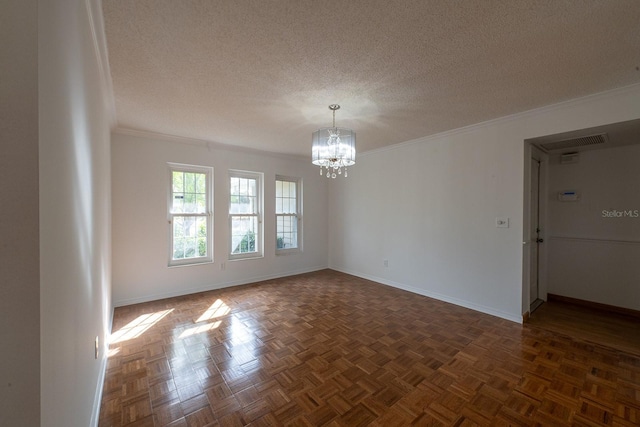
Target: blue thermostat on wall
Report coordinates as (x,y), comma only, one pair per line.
(569,196)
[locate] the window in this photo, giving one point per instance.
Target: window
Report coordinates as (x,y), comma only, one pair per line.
(245,222)
(190,219)
(288,218)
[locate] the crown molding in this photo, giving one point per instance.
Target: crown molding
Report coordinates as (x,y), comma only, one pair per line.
(512,117)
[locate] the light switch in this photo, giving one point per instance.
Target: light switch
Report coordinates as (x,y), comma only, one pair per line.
(502,222)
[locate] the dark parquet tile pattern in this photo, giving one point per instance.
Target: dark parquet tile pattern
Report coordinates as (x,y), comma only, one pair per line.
(327,348)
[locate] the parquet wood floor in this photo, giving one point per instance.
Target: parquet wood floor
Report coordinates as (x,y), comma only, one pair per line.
(331,349)
(604,327)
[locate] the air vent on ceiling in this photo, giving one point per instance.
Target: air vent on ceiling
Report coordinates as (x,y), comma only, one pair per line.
(582,141)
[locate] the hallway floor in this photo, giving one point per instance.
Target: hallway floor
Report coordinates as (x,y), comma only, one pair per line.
(605,328)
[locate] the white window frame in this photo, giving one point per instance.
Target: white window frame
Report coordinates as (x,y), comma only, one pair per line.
(208,214)
(297,215)
(259,237)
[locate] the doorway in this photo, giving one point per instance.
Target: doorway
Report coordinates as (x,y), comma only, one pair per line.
(572,246)
(536,229)
(535,234)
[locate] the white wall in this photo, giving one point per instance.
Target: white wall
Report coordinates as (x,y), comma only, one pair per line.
(429,206)
(593,255)
(141,229)
(19,261)
(75,209)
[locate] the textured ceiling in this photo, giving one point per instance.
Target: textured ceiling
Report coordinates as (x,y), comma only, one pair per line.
(261,73)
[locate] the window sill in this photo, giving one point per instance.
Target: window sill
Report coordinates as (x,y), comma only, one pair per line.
(189,263)
(285,252)
(244,257)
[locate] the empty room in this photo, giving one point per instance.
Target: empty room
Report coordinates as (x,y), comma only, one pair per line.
(299,213)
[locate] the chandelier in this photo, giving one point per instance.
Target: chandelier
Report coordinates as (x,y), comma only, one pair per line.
(333,148)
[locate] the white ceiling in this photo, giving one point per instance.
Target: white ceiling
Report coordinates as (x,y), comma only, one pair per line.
(261,73)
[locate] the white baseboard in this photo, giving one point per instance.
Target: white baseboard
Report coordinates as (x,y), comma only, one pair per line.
(214,286)
(434,295)
(97,400)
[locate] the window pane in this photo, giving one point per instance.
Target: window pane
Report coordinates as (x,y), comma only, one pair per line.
(190,182)
(178,249)
(243,196)
(178,237)
(189,237)
(177,203)
(176,180)
(188,192)
(189,203)
(235,186)
(189,248)
(201,186)
(286,232)
(190,233)
(201,203)
(242,205)
(286,198)
(202,246)
(244,234)
(202,226)
(178,227)
(286,214)
(244,210)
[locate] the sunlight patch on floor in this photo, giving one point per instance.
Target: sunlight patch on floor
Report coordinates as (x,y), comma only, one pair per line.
(199,329)
(217,309)
(138,326)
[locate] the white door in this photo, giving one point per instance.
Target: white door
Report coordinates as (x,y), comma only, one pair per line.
(535,235)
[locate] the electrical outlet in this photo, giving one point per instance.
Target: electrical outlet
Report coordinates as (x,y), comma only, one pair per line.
(97,346)
(222,266)
(386,263)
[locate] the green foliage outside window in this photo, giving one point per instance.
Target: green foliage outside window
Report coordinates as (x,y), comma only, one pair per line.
(247,244)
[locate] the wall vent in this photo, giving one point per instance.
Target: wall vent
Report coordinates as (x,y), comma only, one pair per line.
(583,141)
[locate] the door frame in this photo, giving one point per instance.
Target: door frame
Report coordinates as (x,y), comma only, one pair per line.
(531,151)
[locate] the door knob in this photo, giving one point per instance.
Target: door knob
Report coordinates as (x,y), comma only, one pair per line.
(539,240)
